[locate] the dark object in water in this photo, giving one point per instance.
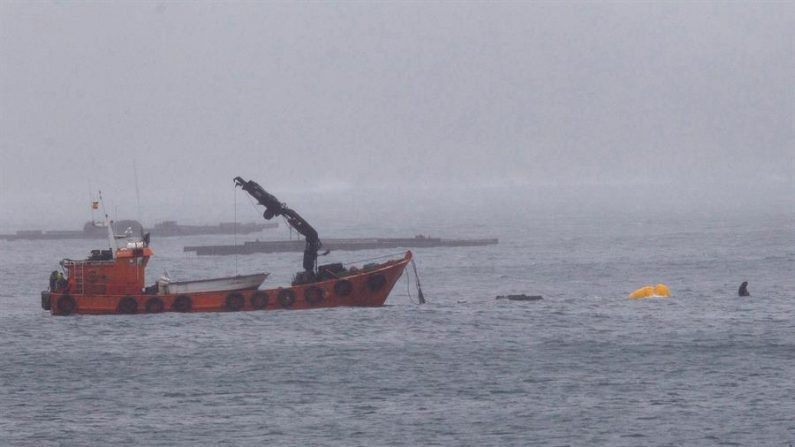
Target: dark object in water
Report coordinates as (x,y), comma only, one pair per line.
(743,289)
(521,297)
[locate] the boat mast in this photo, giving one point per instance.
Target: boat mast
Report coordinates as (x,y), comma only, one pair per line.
(108,224)
(137,192)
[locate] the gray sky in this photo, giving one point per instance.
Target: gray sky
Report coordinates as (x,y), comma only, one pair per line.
(335,96)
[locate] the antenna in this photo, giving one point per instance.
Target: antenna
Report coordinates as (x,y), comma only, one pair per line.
(109,225)
(93,205)
(137,192)
(91,201)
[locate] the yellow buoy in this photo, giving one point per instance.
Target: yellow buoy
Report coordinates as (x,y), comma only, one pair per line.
(643,292)
(662,290)
(658,291)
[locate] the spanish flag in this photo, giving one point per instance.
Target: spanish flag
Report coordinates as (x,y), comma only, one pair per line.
(94,205)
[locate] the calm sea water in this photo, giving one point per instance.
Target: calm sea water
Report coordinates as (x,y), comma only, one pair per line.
(585,366)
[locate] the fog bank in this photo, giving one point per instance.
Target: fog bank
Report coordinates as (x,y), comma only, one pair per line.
(670,105)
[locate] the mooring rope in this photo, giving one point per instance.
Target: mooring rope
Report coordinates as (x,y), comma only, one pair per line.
(420,297)
(417,278)
(408,289)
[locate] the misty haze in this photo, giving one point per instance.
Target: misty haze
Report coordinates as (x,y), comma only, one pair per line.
(690,104)
(607,146)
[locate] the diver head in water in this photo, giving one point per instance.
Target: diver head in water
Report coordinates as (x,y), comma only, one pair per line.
(743,289)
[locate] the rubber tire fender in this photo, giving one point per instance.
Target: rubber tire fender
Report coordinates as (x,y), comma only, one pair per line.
(259,299)
(286,297)
(343,288)
(376,281)
(66,304)
(314,295)
(46,300)
(154,306)
(235,302)
(127,305)
(182,303)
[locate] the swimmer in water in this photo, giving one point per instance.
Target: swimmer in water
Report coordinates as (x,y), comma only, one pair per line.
(743,289)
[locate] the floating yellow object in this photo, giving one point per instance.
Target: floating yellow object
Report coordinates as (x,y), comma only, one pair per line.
(658,291)
(643,292)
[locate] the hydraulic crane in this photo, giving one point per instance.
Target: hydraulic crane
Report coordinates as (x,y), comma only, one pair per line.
(275,208)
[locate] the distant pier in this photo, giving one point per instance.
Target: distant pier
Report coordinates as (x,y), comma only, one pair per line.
(164,229)
(335,244)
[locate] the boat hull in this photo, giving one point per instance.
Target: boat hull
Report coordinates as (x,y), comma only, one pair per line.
(369,287)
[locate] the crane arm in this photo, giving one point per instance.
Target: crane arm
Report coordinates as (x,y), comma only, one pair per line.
(275,208)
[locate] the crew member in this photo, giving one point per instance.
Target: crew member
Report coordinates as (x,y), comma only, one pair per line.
(53,280)
(61,282)
(743,289)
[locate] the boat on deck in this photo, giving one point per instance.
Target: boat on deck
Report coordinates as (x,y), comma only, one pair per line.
(240,282)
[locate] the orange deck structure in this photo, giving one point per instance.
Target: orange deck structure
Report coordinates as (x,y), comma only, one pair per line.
(99,285)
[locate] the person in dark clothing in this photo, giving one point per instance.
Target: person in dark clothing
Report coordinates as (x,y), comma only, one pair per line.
(61,283)
(53,279)
(743,289)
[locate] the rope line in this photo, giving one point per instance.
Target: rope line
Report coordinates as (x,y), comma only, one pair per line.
(408,289)
(235,224)
(392,255)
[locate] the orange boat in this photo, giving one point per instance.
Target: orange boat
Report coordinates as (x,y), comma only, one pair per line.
(113,281)
(98,285)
